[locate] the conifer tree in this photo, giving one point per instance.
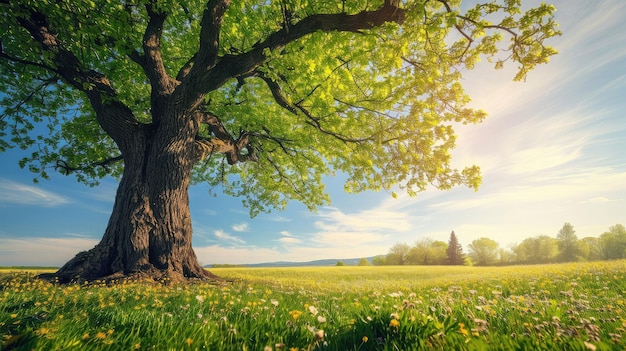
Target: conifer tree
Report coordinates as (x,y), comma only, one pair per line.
(456,257)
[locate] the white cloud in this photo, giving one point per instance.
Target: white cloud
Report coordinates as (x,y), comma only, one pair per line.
(220,234)
(40,251)
(241,227)
(22,194)
(280,219)
(290,240)
(373,220)
(285,233)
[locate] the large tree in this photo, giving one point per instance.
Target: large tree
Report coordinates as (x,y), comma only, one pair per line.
(539,249)
(261,99)
(483,251)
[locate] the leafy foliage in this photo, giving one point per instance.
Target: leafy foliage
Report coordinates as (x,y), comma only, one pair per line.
(377,103)
(483,251)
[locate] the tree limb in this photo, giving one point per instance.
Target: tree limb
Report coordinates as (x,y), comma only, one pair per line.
(66,169)
(152,61)
(25,62)
(311,120)
(114,117)
(230,66)
(222,141)
(211,24)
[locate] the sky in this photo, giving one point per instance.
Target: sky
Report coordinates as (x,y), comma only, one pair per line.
(553,150)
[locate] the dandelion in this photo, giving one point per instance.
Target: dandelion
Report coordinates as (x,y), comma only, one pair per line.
(394,323)
(365,339)
(137,346)
(101,336)
(295,314)
(189,341)
(85,336)
(462,329)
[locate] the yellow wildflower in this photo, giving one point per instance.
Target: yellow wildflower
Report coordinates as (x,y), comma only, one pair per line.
(394,323)
(462,329)
(295,314)
(189,341)
(365,339)
(101,335)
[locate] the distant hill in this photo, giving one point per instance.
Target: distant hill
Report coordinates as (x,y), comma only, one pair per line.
(316,263)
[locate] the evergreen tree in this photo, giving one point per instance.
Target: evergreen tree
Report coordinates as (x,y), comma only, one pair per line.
(455,251)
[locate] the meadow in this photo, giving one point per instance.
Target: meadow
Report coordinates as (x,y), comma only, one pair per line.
(548,307)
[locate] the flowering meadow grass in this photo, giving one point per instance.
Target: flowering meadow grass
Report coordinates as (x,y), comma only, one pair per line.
(549,307)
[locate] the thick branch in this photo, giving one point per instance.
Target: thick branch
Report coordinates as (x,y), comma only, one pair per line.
(231,66)
(113,116)
(152,61)
(211,24)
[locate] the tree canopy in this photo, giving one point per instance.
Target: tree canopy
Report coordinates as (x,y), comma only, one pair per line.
(302,89)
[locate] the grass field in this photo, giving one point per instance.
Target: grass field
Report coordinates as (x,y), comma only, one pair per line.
(550,307)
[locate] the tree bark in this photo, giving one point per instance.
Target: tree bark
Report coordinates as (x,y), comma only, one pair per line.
(149,232)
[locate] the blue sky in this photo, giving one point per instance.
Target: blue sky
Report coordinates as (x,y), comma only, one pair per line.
(553,150)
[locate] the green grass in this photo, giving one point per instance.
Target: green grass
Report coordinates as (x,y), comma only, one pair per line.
(567,307)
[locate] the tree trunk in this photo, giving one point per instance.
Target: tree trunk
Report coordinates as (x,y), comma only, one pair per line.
(149,232)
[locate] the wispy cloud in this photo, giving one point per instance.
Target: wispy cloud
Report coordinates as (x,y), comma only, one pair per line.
(289,240)
(222,235)
(241,227)
(372,220)
(280,219)
(22,194)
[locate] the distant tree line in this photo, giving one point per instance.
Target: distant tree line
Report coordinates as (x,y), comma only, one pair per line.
(565,247)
